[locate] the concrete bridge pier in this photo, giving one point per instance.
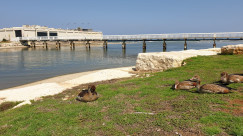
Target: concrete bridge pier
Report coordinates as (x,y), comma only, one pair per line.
(45,44)
(214,43)
(105,44)
(58,45)
(164,45)
(144,44)
(87,44)
(185,45)
(73,45)
(123,44)
(32,44)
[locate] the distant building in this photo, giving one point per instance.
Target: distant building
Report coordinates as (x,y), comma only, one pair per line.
(13,33)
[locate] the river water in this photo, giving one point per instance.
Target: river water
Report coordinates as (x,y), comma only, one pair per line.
(21,66)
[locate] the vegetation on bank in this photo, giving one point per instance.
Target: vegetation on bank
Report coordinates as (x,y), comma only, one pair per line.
(122,107)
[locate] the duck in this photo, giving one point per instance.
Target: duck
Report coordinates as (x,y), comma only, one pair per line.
(210,88)
(186,85)
(226,78)
(88,95)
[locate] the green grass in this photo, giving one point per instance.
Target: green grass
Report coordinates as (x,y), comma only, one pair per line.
(186,112)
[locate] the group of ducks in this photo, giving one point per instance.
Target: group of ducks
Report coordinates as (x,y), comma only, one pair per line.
(88,95)
(195,81)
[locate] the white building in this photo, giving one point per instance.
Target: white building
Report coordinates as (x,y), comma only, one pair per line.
(32,31)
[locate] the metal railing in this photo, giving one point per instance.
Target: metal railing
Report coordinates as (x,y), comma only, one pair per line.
(175,36)
(140,36)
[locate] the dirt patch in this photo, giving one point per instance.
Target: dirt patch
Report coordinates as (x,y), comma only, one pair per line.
(7,105)
(234,107)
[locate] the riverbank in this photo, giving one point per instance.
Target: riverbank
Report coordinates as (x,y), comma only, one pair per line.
(141,105)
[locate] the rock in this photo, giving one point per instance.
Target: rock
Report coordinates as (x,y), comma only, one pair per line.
(232,49)
(160,61)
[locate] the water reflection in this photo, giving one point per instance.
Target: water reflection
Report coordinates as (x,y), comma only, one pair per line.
(123,53)
(105,52)
(144,50)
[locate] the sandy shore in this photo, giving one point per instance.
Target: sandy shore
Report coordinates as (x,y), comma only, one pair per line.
(58,84)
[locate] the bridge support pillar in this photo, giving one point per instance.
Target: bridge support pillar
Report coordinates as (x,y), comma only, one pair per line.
(57,45)
(105,44)
(144,44)
(185,45)
(73,46)
(87,44)
(214,43)
(164,45)
(123,44)
(34,44)
(45,45)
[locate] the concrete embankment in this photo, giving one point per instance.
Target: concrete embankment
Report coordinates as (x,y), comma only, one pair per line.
(160,61)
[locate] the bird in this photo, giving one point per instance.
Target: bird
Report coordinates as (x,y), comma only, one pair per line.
(226,78)
(210,88)
(185,85)
(88,95)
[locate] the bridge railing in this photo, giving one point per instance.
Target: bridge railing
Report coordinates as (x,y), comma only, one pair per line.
(141,36)
(174,36)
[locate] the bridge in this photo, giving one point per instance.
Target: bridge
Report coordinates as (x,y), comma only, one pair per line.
(140,37)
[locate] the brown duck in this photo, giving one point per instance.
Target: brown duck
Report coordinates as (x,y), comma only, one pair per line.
(210,88)
(186,85)
(88,95)
(226,78)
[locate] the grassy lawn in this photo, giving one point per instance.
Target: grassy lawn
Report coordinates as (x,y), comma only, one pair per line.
(115,113)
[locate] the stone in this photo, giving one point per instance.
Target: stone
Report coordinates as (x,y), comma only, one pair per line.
(232,49)
(160,61)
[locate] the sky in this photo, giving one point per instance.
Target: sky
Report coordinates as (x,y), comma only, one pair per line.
(127,16)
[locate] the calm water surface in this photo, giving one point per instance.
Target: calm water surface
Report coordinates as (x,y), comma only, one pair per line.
(22,66)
